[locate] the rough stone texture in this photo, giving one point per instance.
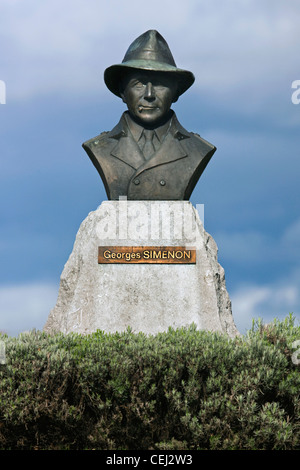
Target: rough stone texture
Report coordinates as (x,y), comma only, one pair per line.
(147,297)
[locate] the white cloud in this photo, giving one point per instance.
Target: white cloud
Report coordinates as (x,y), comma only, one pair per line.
(26,306)
(267,302)
(244,247)
(236,49)
(292,234)
(252,246)
(246,302)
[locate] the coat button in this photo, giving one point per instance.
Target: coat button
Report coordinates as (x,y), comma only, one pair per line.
(162,182)
(136,181)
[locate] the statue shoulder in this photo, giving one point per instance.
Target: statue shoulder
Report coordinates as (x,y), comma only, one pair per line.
(202,142)
(95,141)
(191,140)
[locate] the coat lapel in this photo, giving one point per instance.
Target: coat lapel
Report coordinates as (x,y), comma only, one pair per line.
(129,152)
(170,151)
(126,149)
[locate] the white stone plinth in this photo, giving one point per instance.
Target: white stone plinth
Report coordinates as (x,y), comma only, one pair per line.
(146,297)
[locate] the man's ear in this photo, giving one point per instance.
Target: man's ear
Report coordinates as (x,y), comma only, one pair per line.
(123,97)
(175,92)
(175,96)
(121,90)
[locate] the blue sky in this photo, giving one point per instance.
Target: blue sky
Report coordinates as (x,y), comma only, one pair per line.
(245,57)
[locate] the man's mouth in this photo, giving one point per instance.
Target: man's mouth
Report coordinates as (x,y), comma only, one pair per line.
(146,108)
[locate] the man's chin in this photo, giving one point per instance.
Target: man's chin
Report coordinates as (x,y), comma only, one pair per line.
(149,119)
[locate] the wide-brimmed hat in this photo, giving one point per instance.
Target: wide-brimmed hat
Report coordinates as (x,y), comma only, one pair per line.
(150,52)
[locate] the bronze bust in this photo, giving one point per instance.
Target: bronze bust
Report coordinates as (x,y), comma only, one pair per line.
(149,155)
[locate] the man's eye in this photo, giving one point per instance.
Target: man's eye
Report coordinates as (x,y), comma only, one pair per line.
(138,85)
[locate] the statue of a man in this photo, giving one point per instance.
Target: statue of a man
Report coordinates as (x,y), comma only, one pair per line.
(149,155)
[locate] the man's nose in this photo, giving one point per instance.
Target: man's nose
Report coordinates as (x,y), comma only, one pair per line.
(149,92)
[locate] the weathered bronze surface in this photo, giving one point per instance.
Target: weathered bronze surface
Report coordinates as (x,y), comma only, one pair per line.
(146,254)
(149,155)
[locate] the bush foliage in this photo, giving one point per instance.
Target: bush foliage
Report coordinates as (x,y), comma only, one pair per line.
(182,389)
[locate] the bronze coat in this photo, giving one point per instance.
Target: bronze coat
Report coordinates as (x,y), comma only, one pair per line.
(170,174)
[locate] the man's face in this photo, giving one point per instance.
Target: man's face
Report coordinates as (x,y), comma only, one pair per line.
(149,96)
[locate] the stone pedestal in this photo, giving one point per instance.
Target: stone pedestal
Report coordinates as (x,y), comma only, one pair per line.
(147,297)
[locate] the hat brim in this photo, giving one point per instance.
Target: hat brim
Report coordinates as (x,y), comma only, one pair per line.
(114,74)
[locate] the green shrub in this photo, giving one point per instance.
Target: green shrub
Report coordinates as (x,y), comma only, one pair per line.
(183,389)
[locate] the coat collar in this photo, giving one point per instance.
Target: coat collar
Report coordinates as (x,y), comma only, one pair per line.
(121,129)
(127,150)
